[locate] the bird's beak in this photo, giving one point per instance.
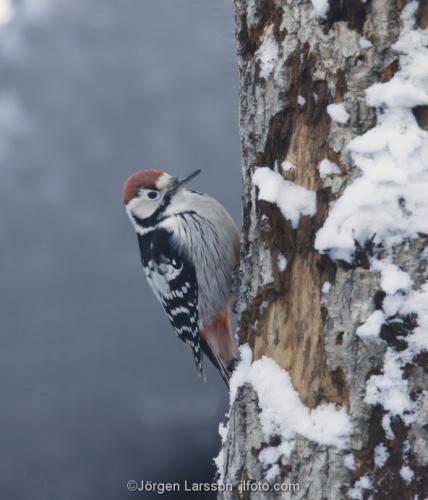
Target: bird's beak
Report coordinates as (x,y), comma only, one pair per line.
(181,182)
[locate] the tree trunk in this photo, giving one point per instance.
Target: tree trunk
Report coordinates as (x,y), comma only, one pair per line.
(348,321)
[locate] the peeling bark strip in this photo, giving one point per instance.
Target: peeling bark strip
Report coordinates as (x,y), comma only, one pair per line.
(300,307)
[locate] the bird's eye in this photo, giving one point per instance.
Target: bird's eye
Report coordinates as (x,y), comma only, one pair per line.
(153,195)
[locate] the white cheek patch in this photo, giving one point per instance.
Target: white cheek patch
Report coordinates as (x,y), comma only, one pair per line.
(141,207)
(163,181)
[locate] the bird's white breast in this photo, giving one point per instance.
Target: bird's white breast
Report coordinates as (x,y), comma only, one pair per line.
(207,235)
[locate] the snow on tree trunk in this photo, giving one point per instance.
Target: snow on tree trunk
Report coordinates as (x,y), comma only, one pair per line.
(333,298)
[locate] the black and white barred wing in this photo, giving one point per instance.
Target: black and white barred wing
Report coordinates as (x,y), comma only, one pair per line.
(173,281)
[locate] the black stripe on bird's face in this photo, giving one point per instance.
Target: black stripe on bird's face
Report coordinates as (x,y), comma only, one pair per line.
(156,216)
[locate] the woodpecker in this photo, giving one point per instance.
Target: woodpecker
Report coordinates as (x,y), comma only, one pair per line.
(189,247)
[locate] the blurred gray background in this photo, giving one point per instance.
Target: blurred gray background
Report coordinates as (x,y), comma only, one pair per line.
(95,388)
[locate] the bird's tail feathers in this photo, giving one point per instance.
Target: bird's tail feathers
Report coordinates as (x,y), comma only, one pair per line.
(197,354)
(219,345)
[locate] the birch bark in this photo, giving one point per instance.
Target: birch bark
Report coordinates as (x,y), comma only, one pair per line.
(293,63)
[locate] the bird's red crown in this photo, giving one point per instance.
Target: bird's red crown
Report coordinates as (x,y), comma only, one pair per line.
(143,179)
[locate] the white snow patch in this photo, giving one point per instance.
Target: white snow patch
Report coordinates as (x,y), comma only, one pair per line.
(396,93)
(294,201)
(321,7)
(265,266)
(350,461)
(222,430)
(338,113)
(392,304)
(393,278)
(267,277)
(406,447)
(267,54)
(219,463)
(391,391)
(219,460)
(273,472)
(357,491)
(327,167)
(281,261)
(406,473)
(326,287)
(301,101)
(417,303)
(365,43)
(371,328)
(282,411)
(381,455)
(389,200)
(286,166)
(272,454)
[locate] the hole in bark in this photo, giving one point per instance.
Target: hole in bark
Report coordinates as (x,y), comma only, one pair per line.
(422,14)
(339,338)
(415,393)
(286,471)
(390,71)
(422,360)
(377,370)
(328,268)
(341,85)
(324,313)
(278,138)
(246,44)
(354,13)
(378,299)
(323,196)
(363,252)
(275,441)
(421,115)
(338,378)
(390,333)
